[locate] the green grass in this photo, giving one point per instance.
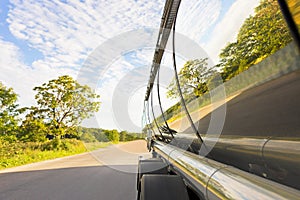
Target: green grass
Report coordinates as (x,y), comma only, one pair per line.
(14,154)
(34,156)
(91,146)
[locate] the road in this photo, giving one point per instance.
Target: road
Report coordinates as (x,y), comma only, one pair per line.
(105,174)
(271,109)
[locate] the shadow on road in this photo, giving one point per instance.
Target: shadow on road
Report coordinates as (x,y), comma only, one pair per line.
(95,182)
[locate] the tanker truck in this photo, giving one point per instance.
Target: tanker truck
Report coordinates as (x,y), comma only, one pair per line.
(222,119)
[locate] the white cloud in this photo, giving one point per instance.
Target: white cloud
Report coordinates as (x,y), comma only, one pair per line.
(123,71)
(127,77)
(69,31)
(195,17)
(9,54)
(226,30)
(65,34)
(22,78)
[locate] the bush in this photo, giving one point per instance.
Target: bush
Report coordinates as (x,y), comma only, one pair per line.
(88,137)
(20,153)
(113,136)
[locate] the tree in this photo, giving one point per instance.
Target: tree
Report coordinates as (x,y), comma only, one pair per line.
(33,130)
(87,137)
(113,136)
(123,135)
(193,78)
(260,36)
(8,111)
(63,103)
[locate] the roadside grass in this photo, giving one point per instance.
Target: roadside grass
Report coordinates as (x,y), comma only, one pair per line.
(91,146)
(17,153)
(14,154)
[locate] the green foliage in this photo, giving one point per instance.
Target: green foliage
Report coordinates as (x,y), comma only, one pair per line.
(102,135)
(97,133)
(63,103)
(91,146)
(20,153)
(123,135)
(60,145)
(134,136)
(260,36)
(8,111)
(113,135)
(33,130)
(88,137)
(193,78)
(9,138)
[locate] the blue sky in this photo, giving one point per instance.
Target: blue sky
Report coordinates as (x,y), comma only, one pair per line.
(30,54)
(40,40)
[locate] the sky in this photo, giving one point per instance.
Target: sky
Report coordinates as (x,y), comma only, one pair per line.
(107,44)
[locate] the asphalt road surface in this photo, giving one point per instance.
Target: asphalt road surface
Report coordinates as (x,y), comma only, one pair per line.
(271,109)
(104,174)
